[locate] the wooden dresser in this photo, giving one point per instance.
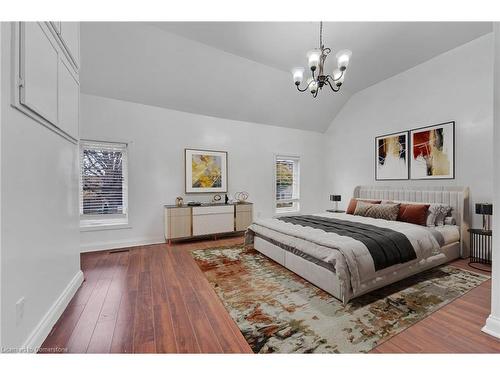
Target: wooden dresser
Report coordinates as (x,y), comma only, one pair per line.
(183,222)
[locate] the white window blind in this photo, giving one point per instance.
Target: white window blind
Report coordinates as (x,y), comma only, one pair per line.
(103,183)
(287,184)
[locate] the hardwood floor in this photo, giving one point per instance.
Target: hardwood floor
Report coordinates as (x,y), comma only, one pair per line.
(155,299)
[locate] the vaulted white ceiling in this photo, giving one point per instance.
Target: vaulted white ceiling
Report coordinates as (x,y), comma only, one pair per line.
(241,70)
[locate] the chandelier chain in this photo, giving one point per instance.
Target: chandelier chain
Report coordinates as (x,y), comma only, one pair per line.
(320,34)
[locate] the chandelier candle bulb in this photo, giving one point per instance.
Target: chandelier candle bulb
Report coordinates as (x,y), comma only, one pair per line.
(340,81)
(343,58)
(313,85)
(313,58)
(298,75)
(336,74)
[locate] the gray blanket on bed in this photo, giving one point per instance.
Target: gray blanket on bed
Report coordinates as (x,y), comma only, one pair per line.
(387,247)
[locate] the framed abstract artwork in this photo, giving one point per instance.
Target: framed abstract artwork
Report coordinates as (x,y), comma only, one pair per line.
(391,156)
(433,152)
(205,171)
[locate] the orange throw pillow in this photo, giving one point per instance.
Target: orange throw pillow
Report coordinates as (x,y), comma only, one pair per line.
(413,213)
(353,202)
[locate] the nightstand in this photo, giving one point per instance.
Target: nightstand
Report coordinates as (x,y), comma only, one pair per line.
(336,211)
(480,248)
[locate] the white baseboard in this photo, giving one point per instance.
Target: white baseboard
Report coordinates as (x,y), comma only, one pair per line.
(492,326)
(42,330)
(119,244)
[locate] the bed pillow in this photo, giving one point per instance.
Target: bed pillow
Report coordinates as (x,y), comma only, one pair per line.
(449,220)
(377,211)
(437,214)
(413,213)
(353,202)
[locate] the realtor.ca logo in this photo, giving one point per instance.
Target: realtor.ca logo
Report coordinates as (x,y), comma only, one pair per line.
(33,350)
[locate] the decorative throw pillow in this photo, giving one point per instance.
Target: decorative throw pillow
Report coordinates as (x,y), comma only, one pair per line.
(414,213)
(444,212)
(450,221)
(353,203)
(378,211)
(437,213)
(362,207)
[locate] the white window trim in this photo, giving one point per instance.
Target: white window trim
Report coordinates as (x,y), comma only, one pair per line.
(90,223)
(296,209)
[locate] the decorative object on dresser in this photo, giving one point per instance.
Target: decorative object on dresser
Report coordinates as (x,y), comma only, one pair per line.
(205,171)
(241,196)
(391,157)
(216,198)
(179,201)
(480,248)
(433,152)
(336,199)
(485,209)
(206,219)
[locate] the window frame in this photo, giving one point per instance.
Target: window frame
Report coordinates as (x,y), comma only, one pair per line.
(296,199)
(90,222)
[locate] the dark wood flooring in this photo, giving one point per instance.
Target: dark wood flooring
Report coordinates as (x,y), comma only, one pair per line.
(154,299)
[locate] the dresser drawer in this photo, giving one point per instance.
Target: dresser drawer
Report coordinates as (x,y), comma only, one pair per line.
(213,223)
(244,207)
(179,211)
(211,210)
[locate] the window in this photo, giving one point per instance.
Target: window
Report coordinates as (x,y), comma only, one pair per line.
(287,184)
(103,183)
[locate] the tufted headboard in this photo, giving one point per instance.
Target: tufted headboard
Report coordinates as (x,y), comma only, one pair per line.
(456,197)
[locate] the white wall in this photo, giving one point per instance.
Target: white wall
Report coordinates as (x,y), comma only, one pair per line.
(457,85)
(39,217)
(493,322)
(158,137)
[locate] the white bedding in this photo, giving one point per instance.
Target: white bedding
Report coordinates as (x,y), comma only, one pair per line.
(350,258)
(450,233)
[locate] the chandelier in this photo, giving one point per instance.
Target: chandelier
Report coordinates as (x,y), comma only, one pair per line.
(316,60)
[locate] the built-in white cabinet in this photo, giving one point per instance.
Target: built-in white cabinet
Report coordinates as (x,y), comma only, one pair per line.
(46,83)
(70,36)
(56,25)
(69,100)
(38,71)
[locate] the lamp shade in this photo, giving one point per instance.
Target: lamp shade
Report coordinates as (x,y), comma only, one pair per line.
(343,58)
(313,58)
(484,208)
(298,75)
(335,198)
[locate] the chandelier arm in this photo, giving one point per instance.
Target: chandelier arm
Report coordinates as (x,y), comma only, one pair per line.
(330,84)
(305,88)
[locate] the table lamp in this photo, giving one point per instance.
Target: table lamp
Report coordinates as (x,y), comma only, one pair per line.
(485,209)
(336,199)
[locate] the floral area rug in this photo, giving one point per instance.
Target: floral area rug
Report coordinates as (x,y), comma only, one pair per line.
(279,312)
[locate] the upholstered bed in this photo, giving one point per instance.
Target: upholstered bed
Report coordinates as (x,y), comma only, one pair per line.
(317,248)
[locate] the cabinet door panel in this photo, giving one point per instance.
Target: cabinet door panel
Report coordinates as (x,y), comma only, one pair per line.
(243,220)
(70,35)
(57,26)
(179,227)
(39,64)
(69,101)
